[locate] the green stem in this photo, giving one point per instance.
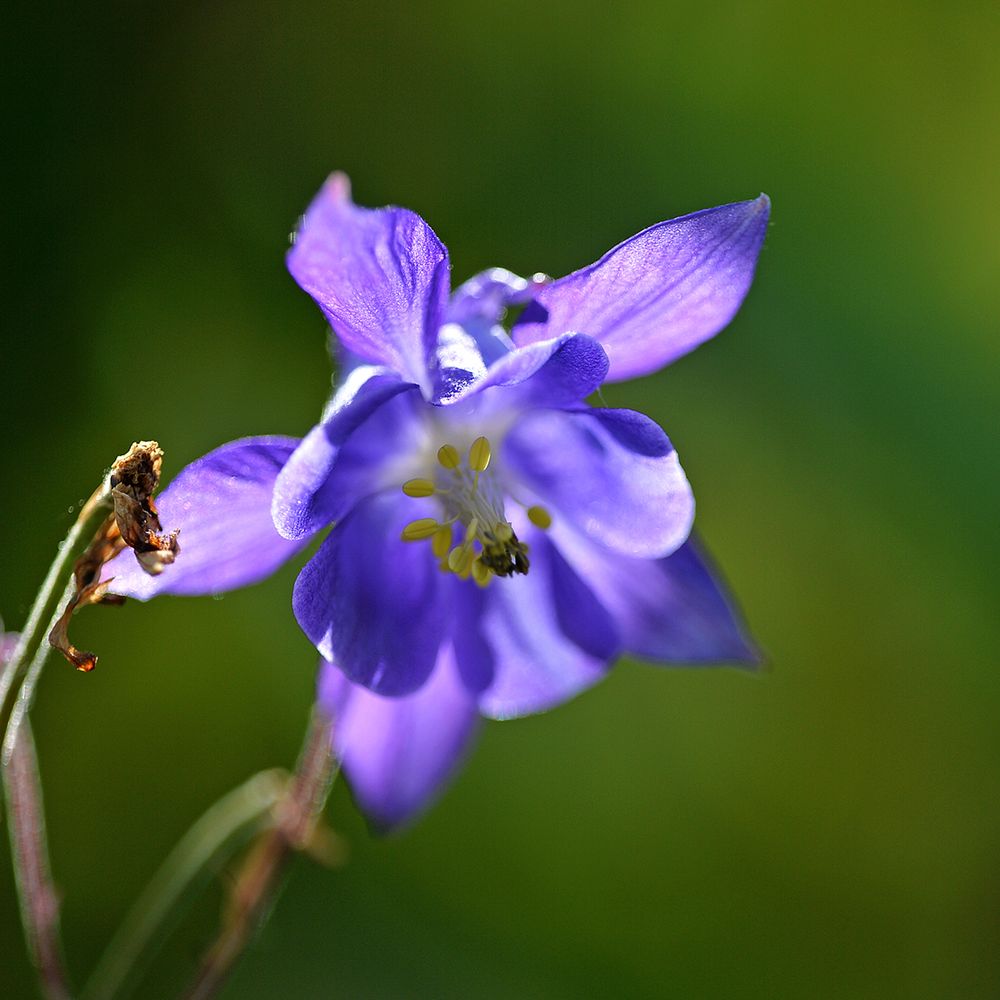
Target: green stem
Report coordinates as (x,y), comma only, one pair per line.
(18,761)
(228,825)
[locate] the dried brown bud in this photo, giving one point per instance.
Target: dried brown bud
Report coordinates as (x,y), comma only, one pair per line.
(133,523)
(134,478)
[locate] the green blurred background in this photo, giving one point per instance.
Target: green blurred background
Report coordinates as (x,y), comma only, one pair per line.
(828,829)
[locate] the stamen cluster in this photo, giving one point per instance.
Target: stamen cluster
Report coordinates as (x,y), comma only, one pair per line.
(471,500)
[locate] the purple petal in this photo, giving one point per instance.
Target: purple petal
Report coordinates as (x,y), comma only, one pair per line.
(659,294)
(479,304)
(543,647)
(380,276)
(303,503)
(556,373)
(472,336)
(673,610)
(373,603)
(486,296)
(459,362)
(398,753)
(221,504)
(612,473)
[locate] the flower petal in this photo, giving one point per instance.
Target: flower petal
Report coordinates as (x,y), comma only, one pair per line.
(302,502)
(371,602)
(659,294)
(458,362)
(548,643)
(612,473)
(673,610)
(398,753)
(558,372)
(479,304)
(486,296)
(221,504)
(380,276)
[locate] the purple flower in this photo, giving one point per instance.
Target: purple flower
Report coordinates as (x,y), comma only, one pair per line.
(495,542)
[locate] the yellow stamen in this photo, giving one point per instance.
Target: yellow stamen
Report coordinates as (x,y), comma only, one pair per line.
(460,560)
(470,531)
(479,455)
(448,456)
(539,517)
(481,573)
(441,541)
(419,488)
(503,531)
(420,529)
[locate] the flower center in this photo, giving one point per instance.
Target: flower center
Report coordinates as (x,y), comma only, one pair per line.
(473,507)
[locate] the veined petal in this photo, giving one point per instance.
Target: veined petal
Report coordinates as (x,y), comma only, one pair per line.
(672,610)
(373,603)
(380,276)
(659,294)
(398,753)
(302,503)
(612,473)
(221,504)
(558,372)
(549,640)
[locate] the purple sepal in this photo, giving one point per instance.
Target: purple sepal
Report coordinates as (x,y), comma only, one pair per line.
(611,473)
(380,276)
(398,753)
(672,610)
(371,602)
(659,294)
(221,505)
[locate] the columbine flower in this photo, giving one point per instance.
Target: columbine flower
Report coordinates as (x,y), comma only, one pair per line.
(495,542)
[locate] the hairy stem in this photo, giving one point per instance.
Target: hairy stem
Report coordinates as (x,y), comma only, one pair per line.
(227,826)
(18,761)
(257,881)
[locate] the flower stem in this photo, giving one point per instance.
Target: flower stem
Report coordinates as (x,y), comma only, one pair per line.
(19,763)
(256,883)
(39,899)
(225,827)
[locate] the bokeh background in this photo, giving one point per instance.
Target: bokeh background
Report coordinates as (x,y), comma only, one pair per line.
(828,829)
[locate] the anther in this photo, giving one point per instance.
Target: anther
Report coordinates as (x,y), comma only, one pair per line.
(420,529)
(441,541)
(481,573)
(540,517)
(419,488)
(479,455)
(460,560)
(448,456)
